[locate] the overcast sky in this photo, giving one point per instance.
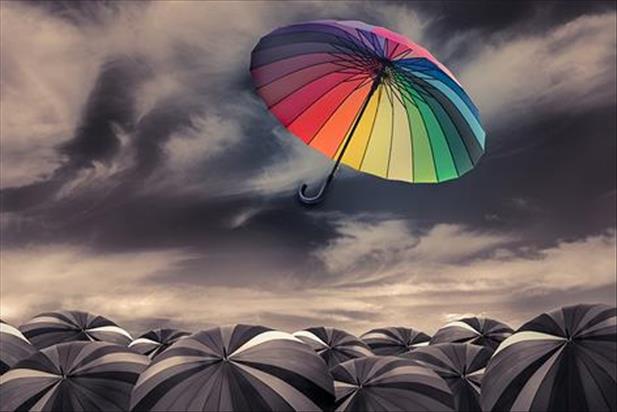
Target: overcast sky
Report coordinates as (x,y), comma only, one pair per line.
(144,180)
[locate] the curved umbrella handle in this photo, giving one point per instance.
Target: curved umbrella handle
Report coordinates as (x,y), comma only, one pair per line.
(317,198)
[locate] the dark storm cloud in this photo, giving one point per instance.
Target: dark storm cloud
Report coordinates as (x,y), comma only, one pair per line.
(110,107)
(161,220)
(454,16)
(85,12)
(448,19)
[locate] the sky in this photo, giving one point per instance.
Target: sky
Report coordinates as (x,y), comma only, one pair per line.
(141,177)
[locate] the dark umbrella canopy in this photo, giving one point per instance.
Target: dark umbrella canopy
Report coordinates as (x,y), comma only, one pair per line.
(461,365)
(14,346)
(388,383)
(479,331)
(564,360)
(74,376)
(333,345)
(235,368)
(153,342)
(50,328)
(394,340)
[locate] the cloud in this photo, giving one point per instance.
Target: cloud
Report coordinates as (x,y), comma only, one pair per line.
(142,142)
(375,242)
(571,67)
(387,261)
(365,242)
(45,80)
(184,82)
(425,292)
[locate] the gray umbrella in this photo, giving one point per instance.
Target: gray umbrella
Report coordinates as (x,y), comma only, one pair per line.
(394,340)
(388,383)
(333,345)
(74,376)
(479,331)
(14,346)
(153,342)
(235,368)
(60,326)
(461,365)
(564,360)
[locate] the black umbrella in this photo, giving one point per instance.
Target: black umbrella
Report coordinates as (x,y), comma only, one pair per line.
(14,346)
(388,383)
(333,345)
(461,365)
(74,376)
(50,328)
(394,340)
(153,342)
(235,368)
(479,331)
(564,360)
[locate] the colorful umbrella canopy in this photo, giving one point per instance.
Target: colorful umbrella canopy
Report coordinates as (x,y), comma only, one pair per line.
(394,340)
(235,368)
(14,346)
(461,365)
(333,345)
(153,342)
(564,360)
(50,328)
(388,383)
(368,98)
(479,331)
(74,376)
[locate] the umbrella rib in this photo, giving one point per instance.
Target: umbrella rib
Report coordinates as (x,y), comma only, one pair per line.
(334,62)
(317,100)
(358,87)
(376,83)
(270,106)
(368,140)
(465,145)
(429,140)
(391,130)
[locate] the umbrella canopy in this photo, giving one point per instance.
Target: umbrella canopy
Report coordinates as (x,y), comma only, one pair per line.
(388,383)
(479,331)
(564,360)
(14,346)
(74,376)
(50,328)
(369,98)
(156,341)
(333,345)
(461,365)
(235,368)
(394,340)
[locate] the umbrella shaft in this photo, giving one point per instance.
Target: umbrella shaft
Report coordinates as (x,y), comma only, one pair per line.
(374,86)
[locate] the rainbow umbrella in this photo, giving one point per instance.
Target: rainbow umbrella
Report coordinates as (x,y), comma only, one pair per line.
(369,98)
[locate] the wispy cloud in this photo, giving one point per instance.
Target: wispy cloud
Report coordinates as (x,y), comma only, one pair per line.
(410,285)
(569,68)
